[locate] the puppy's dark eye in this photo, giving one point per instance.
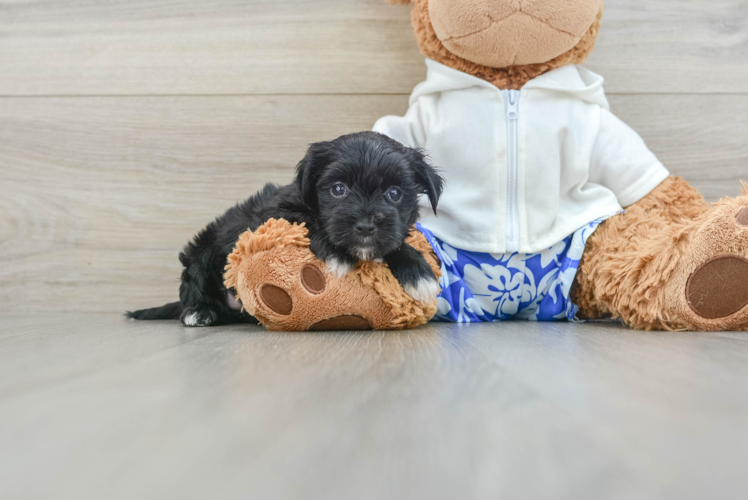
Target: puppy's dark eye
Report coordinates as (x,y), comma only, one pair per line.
(339,190)
(394,194)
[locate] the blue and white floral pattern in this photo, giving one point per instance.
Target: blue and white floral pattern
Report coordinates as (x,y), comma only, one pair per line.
(495,287)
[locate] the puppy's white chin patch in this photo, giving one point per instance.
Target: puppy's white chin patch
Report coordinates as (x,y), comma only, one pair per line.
(338,268)
(425,290)
(366,253)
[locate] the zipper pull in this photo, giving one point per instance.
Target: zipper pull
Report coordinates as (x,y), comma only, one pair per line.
(512,105)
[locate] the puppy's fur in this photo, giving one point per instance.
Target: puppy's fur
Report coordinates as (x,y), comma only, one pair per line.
(358,196)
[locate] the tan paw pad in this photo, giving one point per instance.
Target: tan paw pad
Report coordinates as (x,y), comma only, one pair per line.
(719,287)
(742,217)
(346,322)
(276,299)
(313,279)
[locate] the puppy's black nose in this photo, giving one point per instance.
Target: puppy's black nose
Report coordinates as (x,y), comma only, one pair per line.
(365,227)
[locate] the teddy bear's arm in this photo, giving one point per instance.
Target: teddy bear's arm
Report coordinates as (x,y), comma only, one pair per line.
(622,162)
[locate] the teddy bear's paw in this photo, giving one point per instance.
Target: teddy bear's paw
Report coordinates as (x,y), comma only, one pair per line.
(283,285)
(303,304)
(714,270)
(279,300)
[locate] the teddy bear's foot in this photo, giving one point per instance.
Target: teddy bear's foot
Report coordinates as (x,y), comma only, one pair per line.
(669,262)
(282,284)
(709,288)
(310,287)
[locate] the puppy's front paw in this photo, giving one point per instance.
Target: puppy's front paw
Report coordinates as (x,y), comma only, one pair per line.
(193,316)
(338,267)
(424,289)
(413,273)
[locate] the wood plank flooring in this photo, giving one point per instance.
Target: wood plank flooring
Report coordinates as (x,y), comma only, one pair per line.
(94,406)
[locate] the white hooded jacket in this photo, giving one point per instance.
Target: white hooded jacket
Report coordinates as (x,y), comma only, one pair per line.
(524,169)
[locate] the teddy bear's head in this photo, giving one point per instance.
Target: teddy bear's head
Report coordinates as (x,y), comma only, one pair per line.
(506,42)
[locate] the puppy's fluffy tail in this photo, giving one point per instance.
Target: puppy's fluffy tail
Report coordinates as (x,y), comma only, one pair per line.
(168,311)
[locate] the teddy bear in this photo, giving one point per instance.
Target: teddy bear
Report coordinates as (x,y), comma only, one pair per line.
(553,207)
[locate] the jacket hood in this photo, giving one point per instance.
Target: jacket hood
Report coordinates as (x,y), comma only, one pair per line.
(573,80)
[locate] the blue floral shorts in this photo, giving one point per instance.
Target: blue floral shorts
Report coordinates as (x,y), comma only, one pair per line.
(495,287)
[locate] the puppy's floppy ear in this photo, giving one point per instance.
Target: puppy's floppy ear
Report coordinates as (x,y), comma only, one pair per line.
(429,181)
(309,170)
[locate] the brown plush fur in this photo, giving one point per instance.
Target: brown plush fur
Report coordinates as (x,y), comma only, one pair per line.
(631,256)
(277,253)
(513,77)
(502,33)
(636,266)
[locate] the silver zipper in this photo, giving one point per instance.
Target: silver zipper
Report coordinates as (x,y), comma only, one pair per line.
(511,100)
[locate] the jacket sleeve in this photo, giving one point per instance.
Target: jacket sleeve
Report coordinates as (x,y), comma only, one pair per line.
(622,162)
(408,130)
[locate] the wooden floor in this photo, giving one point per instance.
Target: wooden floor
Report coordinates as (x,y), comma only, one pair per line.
(94,406)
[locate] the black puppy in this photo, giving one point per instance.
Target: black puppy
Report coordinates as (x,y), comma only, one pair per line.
(358,196)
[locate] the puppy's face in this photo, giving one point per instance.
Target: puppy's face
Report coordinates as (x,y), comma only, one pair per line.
(365,189)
